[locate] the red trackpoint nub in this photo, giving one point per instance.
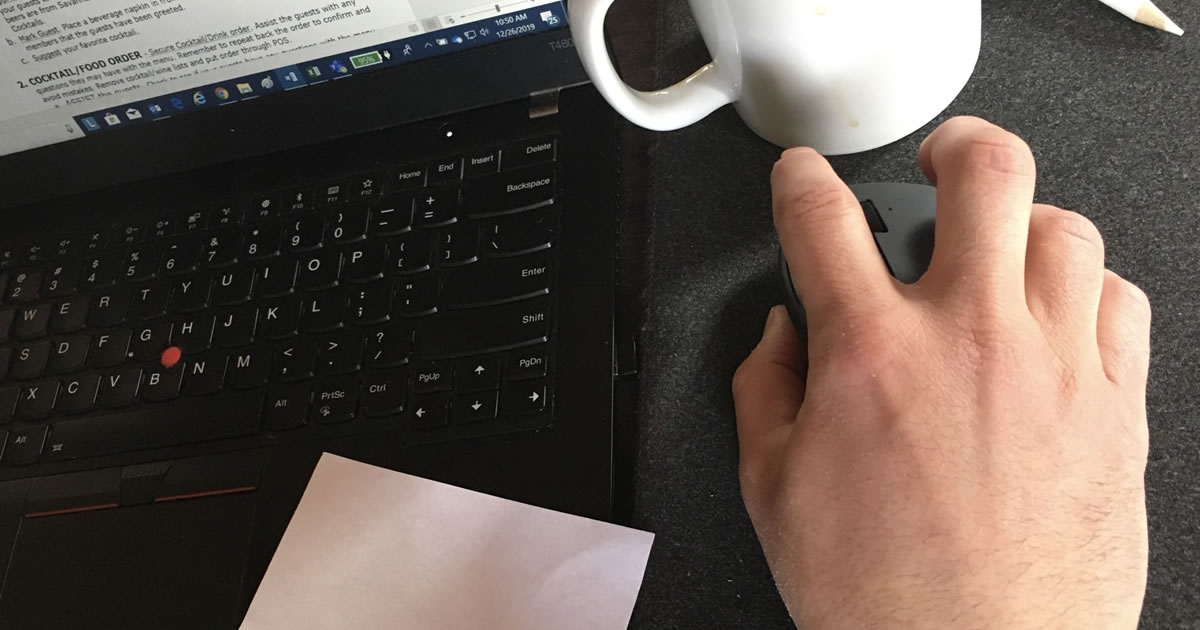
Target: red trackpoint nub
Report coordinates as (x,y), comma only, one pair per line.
(171,356)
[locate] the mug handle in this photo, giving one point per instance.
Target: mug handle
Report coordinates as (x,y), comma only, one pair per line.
(680,105)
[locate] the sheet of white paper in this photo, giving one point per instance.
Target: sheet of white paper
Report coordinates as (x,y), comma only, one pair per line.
(371,549)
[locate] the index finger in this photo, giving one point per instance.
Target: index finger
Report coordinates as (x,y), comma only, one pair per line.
(835,264)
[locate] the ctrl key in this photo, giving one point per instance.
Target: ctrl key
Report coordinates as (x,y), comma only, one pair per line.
(334,401)
(24,445)
(383,394)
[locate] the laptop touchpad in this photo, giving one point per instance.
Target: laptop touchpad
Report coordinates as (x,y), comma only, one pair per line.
(177,564)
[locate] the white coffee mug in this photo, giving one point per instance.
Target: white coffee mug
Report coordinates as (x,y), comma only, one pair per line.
(841,76)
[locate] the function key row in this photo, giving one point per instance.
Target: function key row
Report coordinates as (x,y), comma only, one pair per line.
(451,170)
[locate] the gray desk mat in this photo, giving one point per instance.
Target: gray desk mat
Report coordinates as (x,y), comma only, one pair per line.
(1112,110)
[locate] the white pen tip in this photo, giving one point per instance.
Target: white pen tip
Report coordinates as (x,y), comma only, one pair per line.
(1153,17)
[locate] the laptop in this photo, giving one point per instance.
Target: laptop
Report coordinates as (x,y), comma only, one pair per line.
(234,236)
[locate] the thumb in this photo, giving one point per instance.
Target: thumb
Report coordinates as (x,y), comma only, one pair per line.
(768,390)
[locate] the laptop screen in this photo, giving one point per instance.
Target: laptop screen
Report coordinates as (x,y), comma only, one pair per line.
(81,68)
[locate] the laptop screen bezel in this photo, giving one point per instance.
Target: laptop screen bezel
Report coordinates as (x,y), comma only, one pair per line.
(469,79)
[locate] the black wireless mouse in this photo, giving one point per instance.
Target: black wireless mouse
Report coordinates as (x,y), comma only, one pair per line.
(902,219)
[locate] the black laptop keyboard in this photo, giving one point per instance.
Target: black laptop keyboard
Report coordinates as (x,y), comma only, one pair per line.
(416,298)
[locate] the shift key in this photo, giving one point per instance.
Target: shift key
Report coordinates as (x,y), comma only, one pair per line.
(485,330)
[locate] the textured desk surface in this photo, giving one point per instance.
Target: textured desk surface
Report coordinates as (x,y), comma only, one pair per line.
(1112,110)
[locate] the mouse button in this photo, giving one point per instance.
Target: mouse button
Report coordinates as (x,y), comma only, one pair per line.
(920,243)
(883,253)
(791,300)
(139,483)
(74,492)
(874,219)
(208,476)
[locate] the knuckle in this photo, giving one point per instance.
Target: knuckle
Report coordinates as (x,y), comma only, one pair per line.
(756,488)
(812,204)
(1124,357)
(750,474)
(993,345)
(1131,299)
(1137,299)
(1141,443)
(866,345)
(868,348)
(990,340)
(997,151)
(742,378)
(1077,228)
(1136,445)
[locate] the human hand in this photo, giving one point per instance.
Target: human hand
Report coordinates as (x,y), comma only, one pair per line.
(966,452)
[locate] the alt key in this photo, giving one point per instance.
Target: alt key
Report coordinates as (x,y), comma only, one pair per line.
(24,445)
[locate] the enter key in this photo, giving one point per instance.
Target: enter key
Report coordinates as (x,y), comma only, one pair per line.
(498,281)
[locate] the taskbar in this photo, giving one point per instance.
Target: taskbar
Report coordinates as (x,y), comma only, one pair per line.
(494,29)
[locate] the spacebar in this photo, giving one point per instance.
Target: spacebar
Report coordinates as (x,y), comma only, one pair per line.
(155,426)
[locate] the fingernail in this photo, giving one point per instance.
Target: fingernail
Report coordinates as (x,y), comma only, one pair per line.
(773,319)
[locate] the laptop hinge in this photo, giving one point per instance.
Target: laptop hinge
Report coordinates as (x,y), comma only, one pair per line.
(543,104)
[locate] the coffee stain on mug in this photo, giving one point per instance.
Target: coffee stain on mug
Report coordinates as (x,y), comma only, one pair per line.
(838,94)
(835,88)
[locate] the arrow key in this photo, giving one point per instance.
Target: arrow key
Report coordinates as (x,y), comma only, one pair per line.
(430,412)
(476,374)
(475,407)
(521,399)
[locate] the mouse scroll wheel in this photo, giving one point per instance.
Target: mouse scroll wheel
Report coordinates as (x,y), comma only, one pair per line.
(873,218)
